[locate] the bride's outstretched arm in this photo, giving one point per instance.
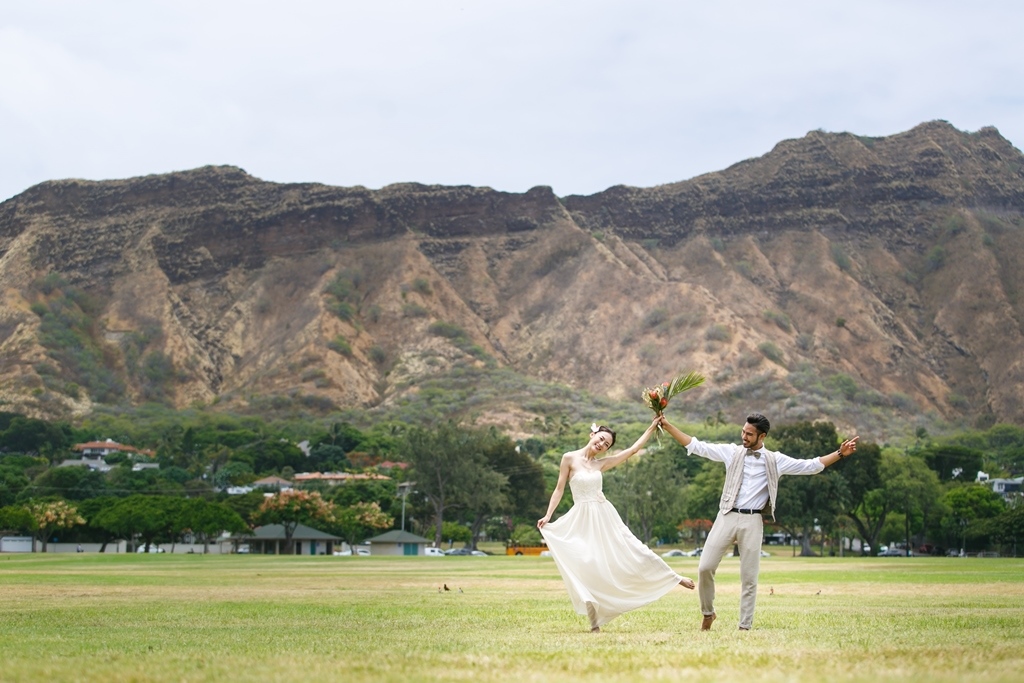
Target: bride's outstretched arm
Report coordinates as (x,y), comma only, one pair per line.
(556,495)
(622,456)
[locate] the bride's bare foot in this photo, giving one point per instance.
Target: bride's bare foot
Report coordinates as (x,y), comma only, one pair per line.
(596,629)
(687,583)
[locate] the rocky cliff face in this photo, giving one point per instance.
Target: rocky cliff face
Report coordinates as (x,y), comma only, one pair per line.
(835,271)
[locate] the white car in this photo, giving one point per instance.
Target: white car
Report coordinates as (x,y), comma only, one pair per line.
(364,552)
(433,552)
(152,549)
(675,552)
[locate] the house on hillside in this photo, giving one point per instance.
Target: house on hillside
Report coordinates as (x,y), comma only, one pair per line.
(1006,487)
(397,542)
(335,478)
(272,484)
(94,454)
(269,539)
(101,449)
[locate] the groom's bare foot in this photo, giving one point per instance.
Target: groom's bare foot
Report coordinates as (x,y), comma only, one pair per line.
(705,624)
(687,583)
(596,629)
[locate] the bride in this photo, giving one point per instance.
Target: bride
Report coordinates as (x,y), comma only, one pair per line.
(606,569)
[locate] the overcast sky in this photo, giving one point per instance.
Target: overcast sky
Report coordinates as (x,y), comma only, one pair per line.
(508,94)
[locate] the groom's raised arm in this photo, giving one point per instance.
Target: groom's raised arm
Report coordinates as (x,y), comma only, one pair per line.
(678,435)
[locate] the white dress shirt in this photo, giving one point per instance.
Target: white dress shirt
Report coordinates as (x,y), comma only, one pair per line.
(753,493)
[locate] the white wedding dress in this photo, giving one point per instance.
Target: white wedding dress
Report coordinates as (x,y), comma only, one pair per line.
(606,569)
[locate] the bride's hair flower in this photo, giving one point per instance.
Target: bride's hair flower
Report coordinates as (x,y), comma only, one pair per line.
(593,427)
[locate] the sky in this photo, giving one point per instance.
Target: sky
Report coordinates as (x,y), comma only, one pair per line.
(508,94)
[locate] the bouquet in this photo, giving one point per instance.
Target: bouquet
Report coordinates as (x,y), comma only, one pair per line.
(657,398)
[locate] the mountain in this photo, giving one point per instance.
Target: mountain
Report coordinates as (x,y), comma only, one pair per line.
(876,282)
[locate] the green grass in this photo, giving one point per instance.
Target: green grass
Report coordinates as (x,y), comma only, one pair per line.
(257,618)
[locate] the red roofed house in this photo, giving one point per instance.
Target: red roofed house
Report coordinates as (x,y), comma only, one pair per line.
(334,478)
(101,449)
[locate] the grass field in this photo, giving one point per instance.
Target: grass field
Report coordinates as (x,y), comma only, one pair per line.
(87,617)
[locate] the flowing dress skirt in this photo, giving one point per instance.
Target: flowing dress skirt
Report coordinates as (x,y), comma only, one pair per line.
(607,570)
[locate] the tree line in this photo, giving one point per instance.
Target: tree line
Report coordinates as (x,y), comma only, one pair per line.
(460,483)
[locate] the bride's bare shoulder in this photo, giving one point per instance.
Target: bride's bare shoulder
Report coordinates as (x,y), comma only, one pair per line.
(571,456)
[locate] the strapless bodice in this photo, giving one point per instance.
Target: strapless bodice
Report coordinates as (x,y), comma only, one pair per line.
(586,486)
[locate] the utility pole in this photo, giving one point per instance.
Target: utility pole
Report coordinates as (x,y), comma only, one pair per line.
(403,490)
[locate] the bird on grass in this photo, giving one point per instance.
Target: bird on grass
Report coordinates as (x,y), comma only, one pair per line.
(446,588)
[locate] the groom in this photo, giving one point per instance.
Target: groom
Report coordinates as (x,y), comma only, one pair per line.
(751,482)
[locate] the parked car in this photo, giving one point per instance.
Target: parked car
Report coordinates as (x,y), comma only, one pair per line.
(893,552)
(462,551)
(545,553)
(765,553)
(433,552)
(364,552)
(675,552)
(152,549)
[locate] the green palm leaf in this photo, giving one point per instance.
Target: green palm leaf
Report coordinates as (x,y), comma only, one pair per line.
(684,383)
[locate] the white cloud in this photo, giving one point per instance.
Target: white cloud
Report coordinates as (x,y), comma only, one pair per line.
(577,95)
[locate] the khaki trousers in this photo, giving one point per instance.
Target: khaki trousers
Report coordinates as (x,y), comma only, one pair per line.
(747,532)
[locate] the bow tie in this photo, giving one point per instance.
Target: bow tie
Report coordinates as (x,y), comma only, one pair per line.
(756,454)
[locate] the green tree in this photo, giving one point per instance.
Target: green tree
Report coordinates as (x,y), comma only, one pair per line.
(862,473)
(90,509)
(511,483)
(72,483)
(648,493)
(907,484)
(12,482)
(380,491)
(233,474)
(271,455)
(970,506)
(135,516)
(325,457)
(342,435)
(29,435)
(1008,527)
(208,520)
(16,518)
(804,502)
(953,463)
(446,461)
(705,491)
